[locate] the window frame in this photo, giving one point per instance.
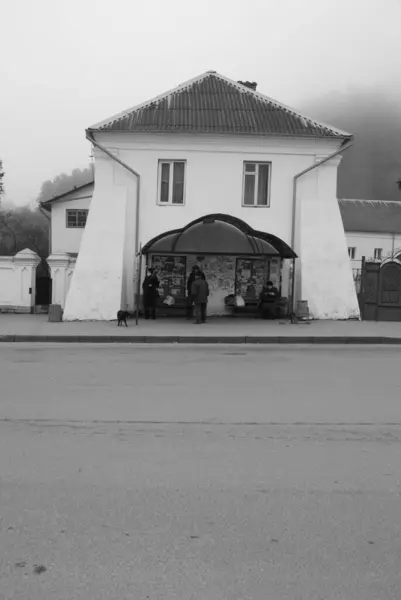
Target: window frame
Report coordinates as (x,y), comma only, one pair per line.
(352,254)
(171,162)
(256,163)
(76,210)
(379,252)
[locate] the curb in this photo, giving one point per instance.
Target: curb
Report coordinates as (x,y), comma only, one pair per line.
(115,339)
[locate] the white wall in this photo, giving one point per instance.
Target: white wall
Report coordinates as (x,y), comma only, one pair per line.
(61,268)
(97,284)
(214,179)
(17,281)
(63,238)
(326,280)
(214,176)
(365,244)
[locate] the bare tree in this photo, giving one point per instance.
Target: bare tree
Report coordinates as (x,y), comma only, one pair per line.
(5,215)
(22,227)
(6,224)
(1,180)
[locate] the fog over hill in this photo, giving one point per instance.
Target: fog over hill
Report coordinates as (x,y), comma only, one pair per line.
(371,168)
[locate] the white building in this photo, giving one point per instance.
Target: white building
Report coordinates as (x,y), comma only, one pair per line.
(372,228)
(213,172)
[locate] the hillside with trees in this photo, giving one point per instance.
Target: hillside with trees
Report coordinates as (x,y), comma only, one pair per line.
(64,182)
(371,168)
(25,227)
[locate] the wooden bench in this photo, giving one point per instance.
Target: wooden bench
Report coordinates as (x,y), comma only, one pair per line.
(251,308)
(178,309)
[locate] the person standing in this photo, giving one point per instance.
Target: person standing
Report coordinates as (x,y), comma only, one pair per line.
(200,294)
(190,301)
(150,293)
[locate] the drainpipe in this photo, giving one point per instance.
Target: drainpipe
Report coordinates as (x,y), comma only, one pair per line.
(345,147)
(90,137)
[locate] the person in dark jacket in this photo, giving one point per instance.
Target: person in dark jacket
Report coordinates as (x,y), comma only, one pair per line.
(150,293)
(200,294)
(190,301)
(268,301)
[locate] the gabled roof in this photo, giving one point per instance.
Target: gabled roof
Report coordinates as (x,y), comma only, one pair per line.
(378,216)
(47,203)
(212,103)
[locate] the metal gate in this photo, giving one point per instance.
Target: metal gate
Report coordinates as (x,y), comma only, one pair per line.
(43,284)
(380,296)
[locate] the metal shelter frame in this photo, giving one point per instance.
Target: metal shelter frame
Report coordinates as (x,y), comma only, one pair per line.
(257,243)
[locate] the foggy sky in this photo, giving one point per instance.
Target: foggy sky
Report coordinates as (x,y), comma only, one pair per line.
(67,64)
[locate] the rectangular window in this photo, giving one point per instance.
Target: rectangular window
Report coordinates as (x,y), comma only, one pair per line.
(76,218)
(377,254)
(171,182)
(352,253)
(256,186)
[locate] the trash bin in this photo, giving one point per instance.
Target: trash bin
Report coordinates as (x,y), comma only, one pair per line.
(55,313)
(302,309)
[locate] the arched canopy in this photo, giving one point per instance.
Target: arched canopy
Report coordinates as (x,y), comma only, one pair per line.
(218,234)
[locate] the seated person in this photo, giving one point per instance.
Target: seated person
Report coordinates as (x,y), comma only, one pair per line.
(268,301)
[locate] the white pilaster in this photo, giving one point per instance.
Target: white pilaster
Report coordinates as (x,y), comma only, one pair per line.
(69,273)
(26,262)
(324,269)
(59,262)
(98,282)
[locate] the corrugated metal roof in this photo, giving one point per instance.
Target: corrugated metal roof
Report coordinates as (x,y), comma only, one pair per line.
(212,103)
(378,216)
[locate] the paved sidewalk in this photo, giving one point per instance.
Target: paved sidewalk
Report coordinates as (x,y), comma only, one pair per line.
(36,328)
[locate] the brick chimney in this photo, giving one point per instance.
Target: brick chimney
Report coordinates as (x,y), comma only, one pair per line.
(249,84)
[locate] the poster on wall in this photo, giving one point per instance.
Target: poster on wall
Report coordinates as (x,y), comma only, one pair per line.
(275,272)
(218,270)
(250,276)
(171,273)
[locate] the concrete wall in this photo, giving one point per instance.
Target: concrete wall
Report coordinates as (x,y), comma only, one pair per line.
(17,281)
(214,180)
(63,238)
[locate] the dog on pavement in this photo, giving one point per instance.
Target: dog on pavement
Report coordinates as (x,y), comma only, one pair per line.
(122,316)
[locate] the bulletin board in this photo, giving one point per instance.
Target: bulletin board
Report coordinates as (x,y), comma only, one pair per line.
(171,273)
(250,276)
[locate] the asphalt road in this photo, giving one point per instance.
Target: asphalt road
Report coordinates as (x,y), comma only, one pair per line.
(234,384)
(200,473)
